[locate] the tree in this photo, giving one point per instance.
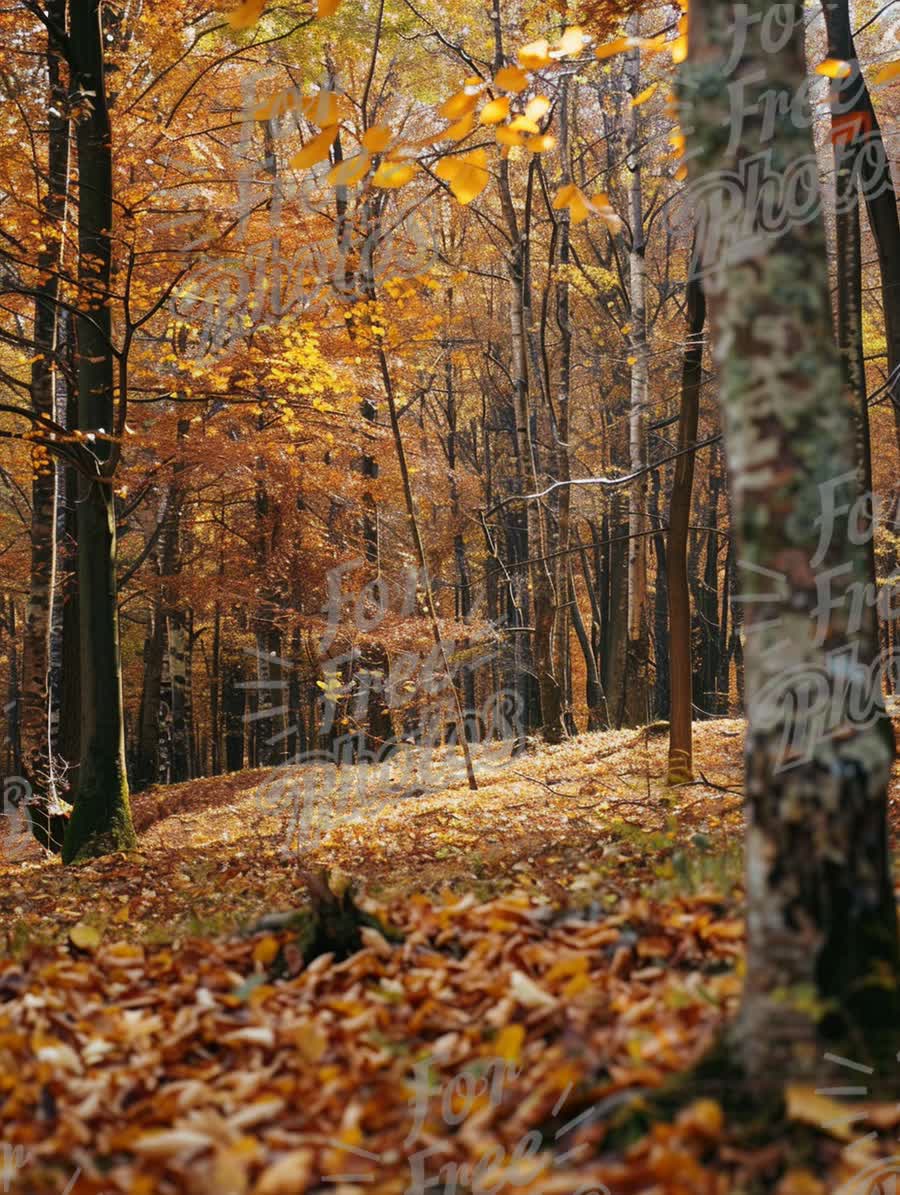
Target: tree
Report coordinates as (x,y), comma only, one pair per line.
(101,816)
(822,954)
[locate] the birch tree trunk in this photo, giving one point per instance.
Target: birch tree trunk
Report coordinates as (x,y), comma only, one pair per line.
(35,721)
(822,951)
(637,688)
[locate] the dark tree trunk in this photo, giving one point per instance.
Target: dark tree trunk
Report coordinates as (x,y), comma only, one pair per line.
(681,767)
(101,817)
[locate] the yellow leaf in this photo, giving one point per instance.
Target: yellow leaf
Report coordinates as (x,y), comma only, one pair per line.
(632,360)
(508,136)
(645,95)
(470,176)
(461,128)
(324,8)
(393,174)
(834,68)
(886,73)
(85,937)
(277,105)
(322,109)
(350,171)
(508,1044)
(703,1117)
(619,46)
(315,150)
(266,950)
(377,138)
(573,198)
(653,45)
(679,48)
(536,108)
(524,124)
(246,14)
(511,78)
(535,55)
(495,111)
(458,105)
(570,43)
(805,1104)
(446,168)
(541,143)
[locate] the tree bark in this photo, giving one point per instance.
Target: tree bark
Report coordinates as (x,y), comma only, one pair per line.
(822,950)
(681,767)
(101,817)
(45,810)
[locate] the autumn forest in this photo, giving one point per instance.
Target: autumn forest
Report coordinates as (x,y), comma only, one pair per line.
(449,543)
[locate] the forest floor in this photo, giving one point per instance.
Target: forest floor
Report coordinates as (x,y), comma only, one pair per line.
(572,935)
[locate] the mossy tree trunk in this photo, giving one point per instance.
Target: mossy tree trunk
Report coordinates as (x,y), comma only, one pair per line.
(101,817)
(822,953)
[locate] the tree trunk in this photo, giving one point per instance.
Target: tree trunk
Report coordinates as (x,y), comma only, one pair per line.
(637,688)
(680,667)
(37,753)
(822,950)
(101,818)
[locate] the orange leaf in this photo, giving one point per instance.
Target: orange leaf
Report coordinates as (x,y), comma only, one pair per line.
(470,177)
(886,73)
(834,68)
(458,105)
(495,111)
(511,78)
(315,150)
(393,174)
(350,171)
(324,8)
(535,55)
(619,46)
(645,95)
(246,14)
(377,138)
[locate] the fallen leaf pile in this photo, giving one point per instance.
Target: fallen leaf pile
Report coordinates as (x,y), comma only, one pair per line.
(536,991)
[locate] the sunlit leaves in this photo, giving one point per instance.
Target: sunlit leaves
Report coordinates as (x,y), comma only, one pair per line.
(459,104)
(886,73)
(535,55)
(511,78)
(570,43)
(537,107)
(393,174)
(350,171)
(645,95)
(541,144)
(834,68)
(619,46)
(315,150)
(467,174)
(495,111)
(580,207)
(575,200)
(322,108)
(460,128)
(377,138)
(246,14)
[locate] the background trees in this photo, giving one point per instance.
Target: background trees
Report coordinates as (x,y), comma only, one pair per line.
(262,277)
